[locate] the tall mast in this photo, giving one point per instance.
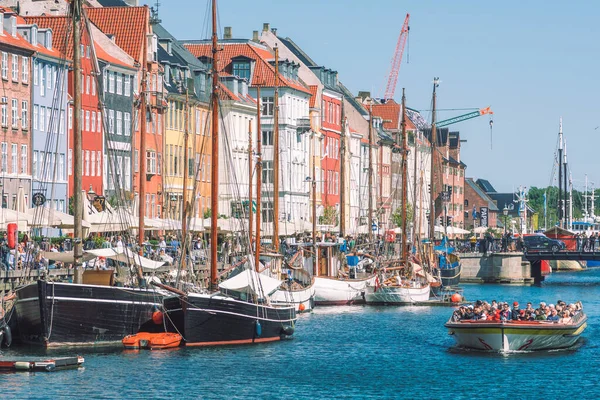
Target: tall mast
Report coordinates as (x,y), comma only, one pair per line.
(560,188)
(77,139)
(276,156)
(250,181)
(370,176)
(141,197)
(585,197)
(258,180)
(432,191)
(570,201)
(214,173)
(342,171)
(565,187)
(185,179)
(416,199)
(404,178)
(314,206)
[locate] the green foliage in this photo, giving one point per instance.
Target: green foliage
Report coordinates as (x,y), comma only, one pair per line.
(99,241)
(536,201)
(207,213)
(329,217)
(397,215)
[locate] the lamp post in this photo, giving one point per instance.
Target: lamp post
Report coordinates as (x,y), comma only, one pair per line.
(505,212)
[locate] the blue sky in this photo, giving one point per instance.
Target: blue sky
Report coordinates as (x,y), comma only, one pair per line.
(532,61)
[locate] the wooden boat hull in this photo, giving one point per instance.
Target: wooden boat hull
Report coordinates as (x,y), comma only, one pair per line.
(451,276)
(54,314)
(213,320)
(332,291)
(516,336)
(303,300)
(399,295)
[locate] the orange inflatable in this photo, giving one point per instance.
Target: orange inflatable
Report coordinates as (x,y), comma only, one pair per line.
(11,230)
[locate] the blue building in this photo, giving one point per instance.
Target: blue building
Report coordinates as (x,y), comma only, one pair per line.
(49,118)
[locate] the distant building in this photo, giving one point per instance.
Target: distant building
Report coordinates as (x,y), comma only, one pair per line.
(476,199)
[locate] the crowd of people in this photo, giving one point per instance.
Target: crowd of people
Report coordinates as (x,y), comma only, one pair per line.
(560,312)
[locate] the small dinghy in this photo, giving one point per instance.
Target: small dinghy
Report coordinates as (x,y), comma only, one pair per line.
(152,341)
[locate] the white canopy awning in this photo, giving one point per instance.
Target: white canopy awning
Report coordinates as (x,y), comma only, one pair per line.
(251,282)
(125,255)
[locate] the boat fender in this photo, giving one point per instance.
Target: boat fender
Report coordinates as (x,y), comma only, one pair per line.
(301,307)
(22,365)
(157,317)
(7,336)
(287,330)
(258,329)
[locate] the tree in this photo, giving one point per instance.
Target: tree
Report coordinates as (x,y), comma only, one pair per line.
(329,217)
(397,215)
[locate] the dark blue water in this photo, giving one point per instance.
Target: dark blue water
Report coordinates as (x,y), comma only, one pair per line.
(344,352)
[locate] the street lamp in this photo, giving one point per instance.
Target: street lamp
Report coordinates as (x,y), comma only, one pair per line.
(505,212)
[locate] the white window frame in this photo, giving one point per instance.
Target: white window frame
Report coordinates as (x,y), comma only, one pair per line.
(24,159)
(15,68)
(24,114)
(25,69)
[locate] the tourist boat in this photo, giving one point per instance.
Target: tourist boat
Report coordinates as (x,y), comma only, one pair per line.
(389,288)
(517,335)
(240,310)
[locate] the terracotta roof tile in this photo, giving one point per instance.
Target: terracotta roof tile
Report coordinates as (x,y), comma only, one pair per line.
(391,111)
(264,72)
(313,95)
(16,41)
(128,25)
(62,38)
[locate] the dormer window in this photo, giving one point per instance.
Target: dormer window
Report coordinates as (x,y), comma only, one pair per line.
(169,47)
(241,69)
(48,39)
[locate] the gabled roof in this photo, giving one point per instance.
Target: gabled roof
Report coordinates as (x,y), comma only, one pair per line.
(226,94)
(392,112)
(128,25)
(417,119)
(178,49)
(62,37)
(491,205)
(298,52)
(264,72)
(485,185)
(502,199)
(15,41)
(352,100)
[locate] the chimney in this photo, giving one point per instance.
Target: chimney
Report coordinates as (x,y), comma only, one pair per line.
(255,36)
(274,31)
(227,32)
(266,27)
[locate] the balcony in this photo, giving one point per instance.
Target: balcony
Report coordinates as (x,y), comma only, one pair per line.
(302,125)
(157,100)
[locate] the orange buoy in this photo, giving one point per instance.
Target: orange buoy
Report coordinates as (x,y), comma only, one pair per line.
(301,307)
(456,297)
(157,317)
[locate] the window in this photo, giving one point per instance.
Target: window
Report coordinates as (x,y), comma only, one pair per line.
(127,124)
(87,84)
(111,82)
(267,106)
(4,112)
(127,172)
(93,163)
(127,85)
(4,65)
(93,86)
(70,162)
(119,123)
(159,164)
(93,121)
(13,158)
(23,158)
(24,116)
(242,69)
(61,167)
(4,157)
(25,69)
(49,77)
(42,80)
(267,211)
(119,84)
(34,165)
(136,159)
(87,163)
(36,110)
(159,124)
(15,67)
(151,162)
(267,172)
(35,73)
(87,121)
(111,121)
(70,118)
(104,80)
(99,122)
(15,113)
(99,163)
(267,138)
(43,119)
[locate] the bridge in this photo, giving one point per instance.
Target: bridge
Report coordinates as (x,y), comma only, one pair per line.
(536,258)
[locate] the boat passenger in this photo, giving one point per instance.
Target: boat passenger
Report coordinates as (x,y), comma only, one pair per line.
(553,316)
(540,315)
(566,318)
(516,313)
(505,314)
(469,312)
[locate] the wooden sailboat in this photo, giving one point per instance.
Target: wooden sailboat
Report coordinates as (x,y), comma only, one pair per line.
(237,310)
(403,281)
(83,313)
(336,284)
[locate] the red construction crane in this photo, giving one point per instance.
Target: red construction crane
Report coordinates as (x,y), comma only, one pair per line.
(397,60)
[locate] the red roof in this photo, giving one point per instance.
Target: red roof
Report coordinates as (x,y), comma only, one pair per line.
(103,55)
(61,28)
(391,111)
(16,41)
(264,72)
(313,95)
(128,25)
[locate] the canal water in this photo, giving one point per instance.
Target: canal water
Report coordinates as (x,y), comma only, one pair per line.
(343,352)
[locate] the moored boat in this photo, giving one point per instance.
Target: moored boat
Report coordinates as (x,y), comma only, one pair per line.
(504,336)
(404,293)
